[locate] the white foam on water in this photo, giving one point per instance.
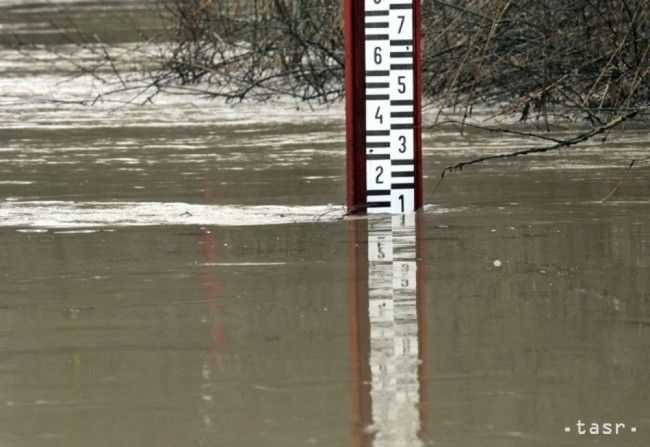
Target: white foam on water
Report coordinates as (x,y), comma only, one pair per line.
(67,214)
(320,177)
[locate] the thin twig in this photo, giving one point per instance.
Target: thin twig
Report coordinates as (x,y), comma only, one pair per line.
(536,150)
(622,179)
(499,130)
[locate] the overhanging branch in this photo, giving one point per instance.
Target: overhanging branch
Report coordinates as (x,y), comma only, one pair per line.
(537,150)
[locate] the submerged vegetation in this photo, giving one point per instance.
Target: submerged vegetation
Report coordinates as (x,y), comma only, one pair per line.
(533,58)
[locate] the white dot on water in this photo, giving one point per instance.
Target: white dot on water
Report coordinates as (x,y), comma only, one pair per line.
(497,263)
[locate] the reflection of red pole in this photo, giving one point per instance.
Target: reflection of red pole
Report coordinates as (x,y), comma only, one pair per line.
(359,332)
(211,292)
(211,284)
(420,304)
(353,12)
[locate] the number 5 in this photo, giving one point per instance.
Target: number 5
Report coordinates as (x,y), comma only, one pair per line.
(402,84)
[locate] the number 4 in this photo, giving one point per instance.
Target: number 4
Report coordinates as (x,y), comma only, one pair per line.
(379,116)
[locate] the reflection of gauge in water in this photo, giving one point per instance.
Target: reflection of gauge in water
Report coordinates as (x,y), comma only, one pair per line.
(394,330)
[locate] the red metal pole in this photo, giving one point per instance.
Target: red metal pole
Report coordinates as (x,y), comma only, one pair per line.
(417,77)
(353,11)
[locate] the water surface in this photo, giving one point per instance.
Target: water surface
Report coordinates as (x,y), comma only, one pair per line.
(178,274)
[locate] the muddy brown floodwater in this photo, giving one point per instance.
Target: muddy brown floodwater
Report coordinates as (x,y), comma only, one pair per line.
(177,275)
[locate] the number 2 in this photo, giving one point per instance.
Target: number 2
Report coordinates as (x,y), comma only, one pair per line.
(380,172)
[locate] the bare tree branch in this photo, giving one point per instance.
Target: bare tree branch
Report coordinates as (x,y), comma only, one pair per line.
(537,150)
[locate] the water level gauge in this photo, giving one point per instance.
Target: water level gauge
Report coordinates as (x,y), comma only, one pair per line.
(383,98)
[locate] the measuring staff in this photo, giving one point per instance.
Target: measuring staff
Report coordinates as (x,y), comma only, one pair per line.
(383,105)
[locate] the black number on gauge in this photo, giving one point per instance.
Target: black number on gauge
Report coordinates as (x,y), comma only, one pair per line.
(380,172)
(402,84)
(379,116)
(378,57)
(402,19)
(402,142)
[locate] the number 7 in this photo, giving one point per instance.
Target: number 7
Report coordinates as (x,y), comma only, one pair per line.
(401,25)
